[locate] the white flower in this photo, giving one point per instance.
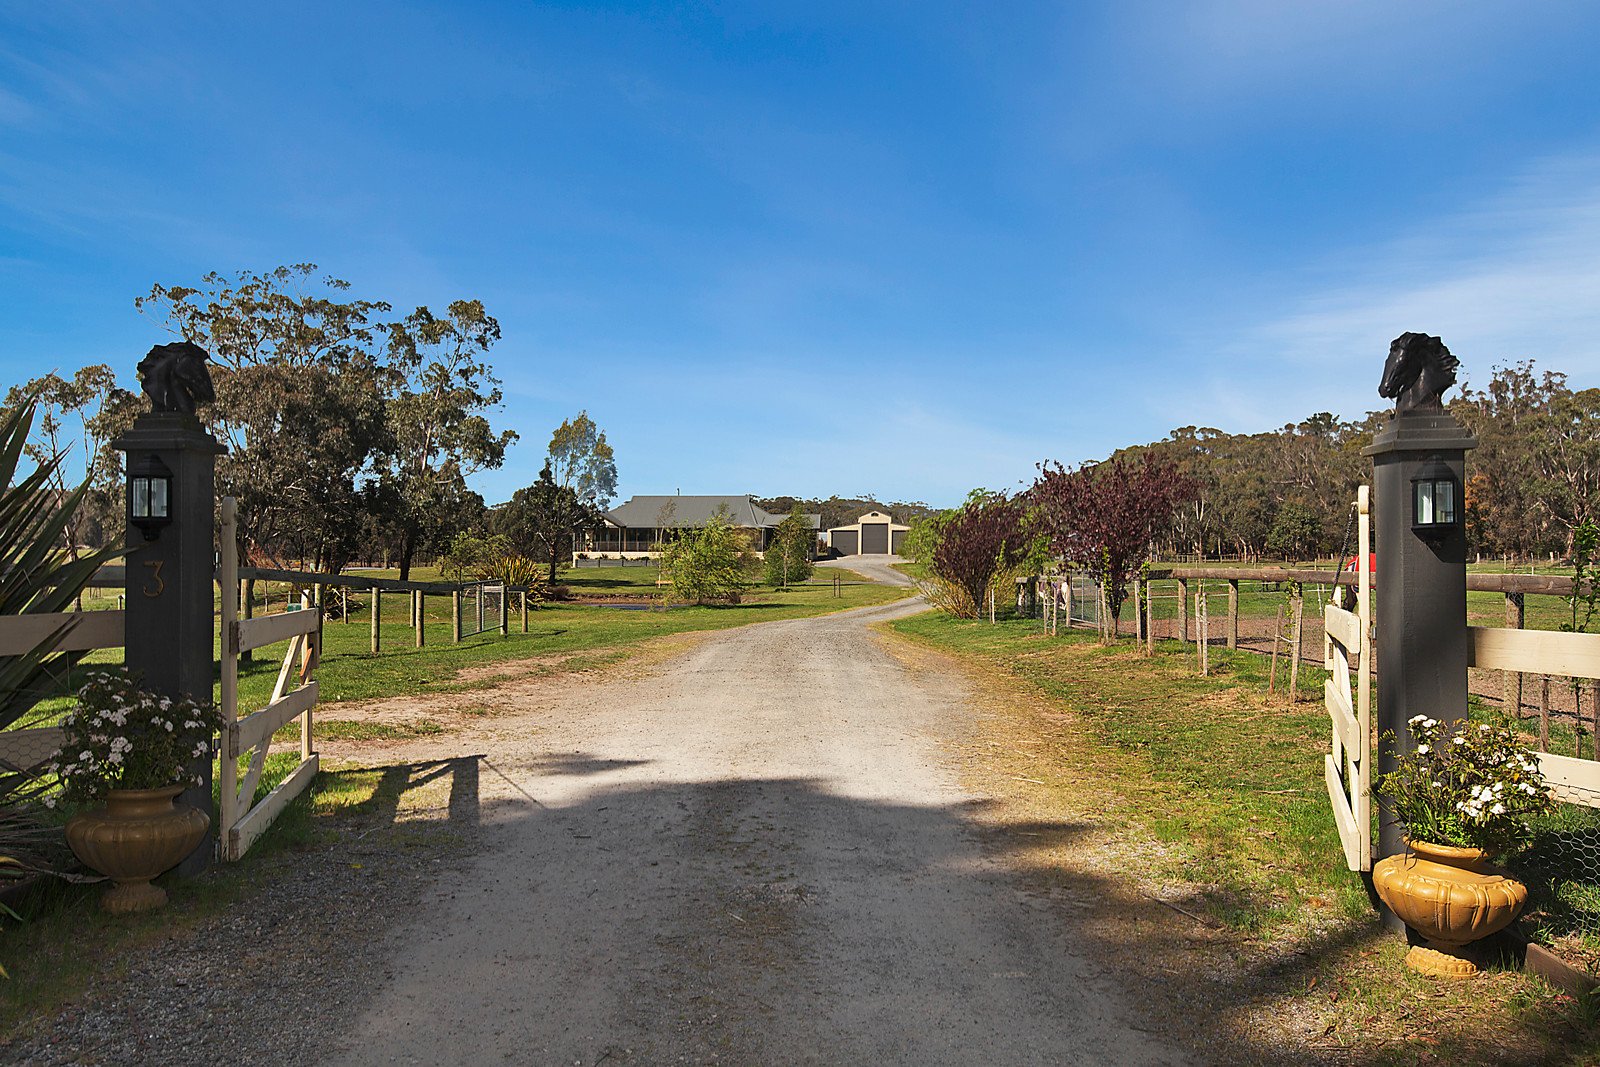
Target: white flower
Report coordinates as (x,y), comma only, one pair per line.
(1430,723)
(85,756)
(1484,727)
(1423,750)
(1458,740)
(50,801)
(1415,719)
(115,757)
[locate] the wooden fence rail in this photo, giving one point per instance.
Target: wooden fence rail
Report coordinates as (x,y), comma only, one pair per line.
(81,631)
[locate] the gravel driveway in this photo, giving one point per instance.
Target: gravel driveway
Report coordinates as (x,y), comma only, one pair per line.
(877,568)
(751,851)
(752,855)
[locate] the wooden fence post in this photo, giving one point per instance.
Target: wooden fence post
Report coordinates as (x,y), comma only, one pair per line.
(1233,613)
(1149,620)
(505,626)
(1294,649)
(524,611)
(310,656)
(377,612)
(249,611)
(1515,617)
(1066,602)
(1277,639)
(1138,614)
(1183,610)
(1544,713)
(1202,625)
(455,615)
(422,613)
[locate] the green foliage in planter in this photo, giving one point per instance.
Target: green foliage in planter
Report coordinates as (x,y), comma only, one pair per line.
(121,736)
(1471,785)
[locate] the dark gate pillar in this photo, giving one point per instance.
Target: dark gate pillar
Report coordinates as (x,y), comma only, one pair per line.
(1420,609)
(171,629)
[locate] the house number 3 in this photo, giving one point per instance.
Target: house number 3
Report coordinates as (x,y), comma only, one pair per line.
(156,585)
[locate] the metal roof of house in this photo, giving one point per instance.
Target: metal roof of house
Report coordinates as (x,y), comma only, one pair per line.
(649,512)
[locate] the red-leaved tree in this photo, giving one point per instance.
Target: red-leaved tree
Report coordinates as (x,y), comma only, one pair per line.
(1104,516)
(985,537)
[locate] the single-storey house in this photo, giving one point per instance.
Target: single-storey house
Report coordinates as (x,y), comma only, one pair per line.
(632,530)
(872,534)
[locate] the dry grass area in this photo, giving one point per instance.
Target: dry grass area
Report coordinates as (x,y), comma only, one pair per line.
(1235,923)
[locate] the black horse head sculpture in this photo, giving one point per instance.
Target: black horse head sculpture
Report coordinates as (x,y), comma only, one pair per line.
(175,377)
(1419,369)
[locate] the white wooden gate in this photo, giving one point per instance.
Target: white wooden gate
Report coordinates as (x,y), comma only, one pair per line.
(1348,767)
(241,821)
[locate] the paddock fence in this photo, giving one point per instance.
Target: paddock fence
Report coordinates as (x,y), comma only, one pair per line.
(488,604)
(26,750)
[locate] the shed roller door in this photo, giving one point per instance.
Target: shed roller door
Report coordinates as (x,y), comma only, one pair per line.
(897,540)
(846,542)
(874,538)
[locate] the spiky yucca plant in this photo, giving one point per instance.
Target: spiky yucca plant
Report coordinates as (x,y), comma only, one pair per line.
(512,568)
(36,575)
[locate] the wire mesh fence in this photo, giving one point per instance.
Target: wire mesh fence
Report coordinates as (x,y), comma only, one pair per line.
(1562,872)
(481,605)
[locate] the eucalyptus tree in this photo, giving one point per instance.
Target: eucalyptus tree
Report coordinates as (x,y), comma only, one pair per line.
(539,519)
(76,419)
(300,402)
(581,460)
(441,390)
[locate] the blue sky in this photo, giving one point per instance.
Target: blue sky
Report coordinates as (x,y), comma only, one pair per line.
(861,248)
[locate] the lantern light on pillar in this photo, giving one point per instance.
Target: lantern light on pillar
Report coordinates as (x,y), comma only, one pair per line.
(1436,504)
(149,495)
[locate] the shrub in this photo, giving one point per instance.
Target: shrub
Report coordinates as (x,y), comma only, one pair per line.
(707,563)
(788,557)
(509,567)
(982,541)
(1103,517)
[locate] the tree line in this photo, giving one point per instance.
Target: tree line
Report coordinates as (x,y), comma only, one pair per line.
(351,430)
(1533,479)
(1533,485)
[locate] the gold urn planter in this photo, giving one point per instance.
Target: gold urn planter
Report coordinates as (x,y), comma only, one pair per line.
(139,834)
(1452,897)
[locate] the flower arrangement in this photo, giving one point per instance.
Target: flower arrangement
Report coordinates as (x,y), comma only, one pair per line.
(1472,785)
(123,737)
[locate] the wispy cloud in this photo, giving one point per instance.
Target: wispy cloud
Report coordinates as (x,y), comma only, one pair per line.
(1513,277)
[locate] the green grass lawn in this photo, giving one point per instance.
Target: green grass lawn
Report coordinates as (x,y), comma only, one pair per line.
(1230,783)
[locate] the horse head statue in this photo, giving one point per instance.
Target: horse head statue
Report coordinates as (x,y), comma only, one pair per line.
(1419,369)
(175,377)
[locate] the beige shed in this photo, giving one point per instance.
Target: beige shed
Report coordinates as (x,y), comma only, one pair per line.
(873,534)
